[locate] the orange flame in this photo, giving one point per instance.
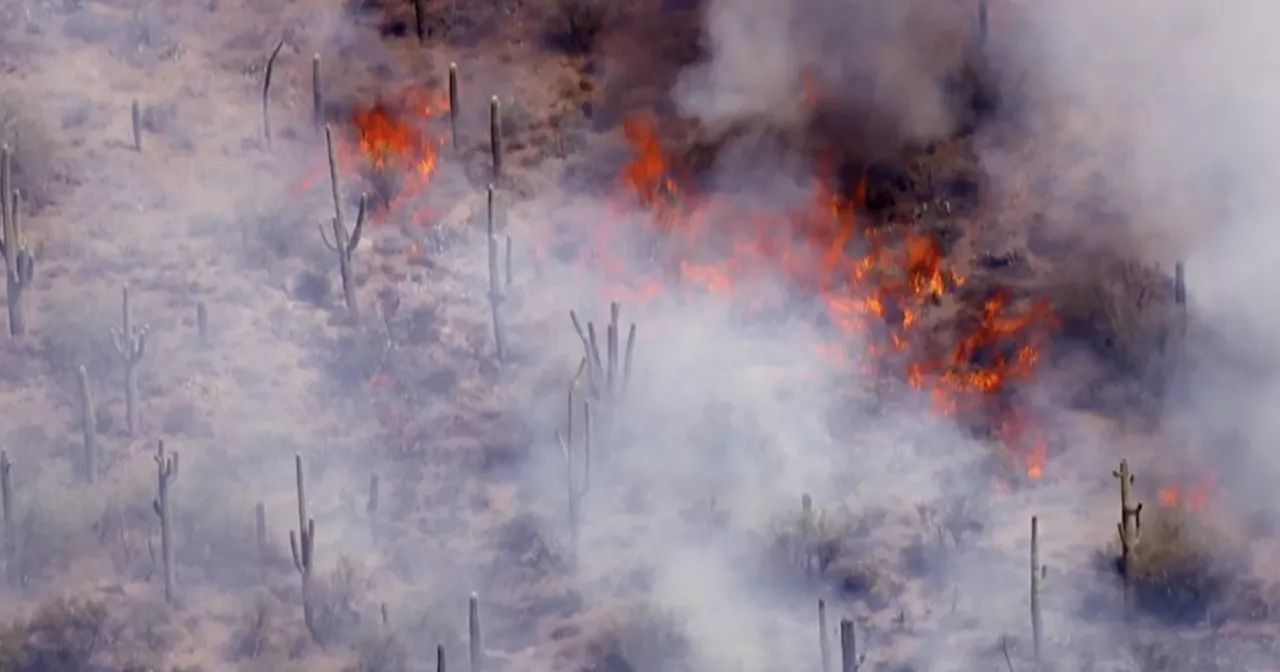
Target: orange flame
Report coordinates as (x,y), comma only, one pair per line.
(393,141)
(875,288)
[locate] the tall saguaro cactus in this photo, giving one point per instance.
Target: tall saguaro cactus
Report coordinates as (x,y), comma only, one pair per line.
(302,545)
(473,633)
(88,427)
(850,659)
(496,297)
(1038,572)
(577,479)
(20,265)
(343,243)
(131,343)
(166,474)
(1130,524)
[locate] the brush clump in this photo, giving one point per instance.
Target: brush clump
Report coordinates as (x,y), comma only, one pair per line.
(1180,567)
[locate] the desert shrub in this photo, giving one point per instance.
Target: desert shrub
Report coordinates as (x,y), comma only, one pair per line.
(147,634)
(62,636)
(266,633)
(336,600)
(1123,310)
(829,546)
(1181,565)
(75,329)
(213,537)
(380,652)
(523,546)
(33,150)
(578,23)
(641,638)
(275,228)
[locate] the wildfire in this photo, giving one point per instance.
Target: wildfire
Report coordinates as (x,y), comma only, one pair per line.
(876,289)
(1189,497)
(395,150)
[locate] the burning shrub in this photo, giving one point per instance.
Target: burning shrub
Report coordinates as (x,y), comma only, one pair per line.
(1179,568)
(578,23)
(641,638)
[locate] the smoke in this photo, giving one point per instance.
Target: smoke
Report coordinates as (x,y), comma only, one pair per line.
(865,54)
(1146,129)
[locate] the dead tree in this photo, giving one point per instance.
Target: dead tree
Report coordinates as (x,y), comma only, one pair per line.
(343,243)
(166,474)
(88,428)
(302,545)
(131,344)
(1130,524)
(20,265)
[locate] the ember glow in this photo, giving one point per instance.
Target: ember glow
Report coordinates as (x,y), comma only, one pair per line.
(1189,496)
(394,147)
(877,287)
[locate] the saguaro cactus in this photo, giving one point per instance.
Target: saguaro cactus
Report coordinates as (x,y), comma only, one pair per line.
(1038,572)
(824,639)
(495,139)
(302,545)
(20,265)
(131,343)
(343,243)
(88,427)
(6,508)
(453,105)
(1130,524)
(577,480)
(473,632)
(166,474)
(850,659)
(496,296)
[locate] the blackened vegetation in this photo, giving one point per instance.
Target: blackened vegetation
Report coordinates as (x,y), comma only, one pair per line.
(577,24)
(1126,314)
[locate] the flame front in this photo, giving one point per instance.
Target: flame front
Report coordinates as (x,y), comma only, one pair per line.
(876,289)
(395,148)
